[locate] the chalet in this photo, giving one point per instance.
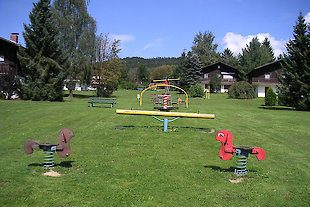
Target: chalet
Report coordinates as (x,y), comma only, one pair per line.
(227,74)
(266,76)
(8,55)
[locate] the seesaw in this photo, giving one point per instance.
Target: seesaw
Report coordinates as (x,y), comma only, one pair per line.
(166,114)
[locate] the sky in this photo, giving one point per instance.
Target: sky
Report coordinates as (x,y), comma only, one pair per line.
(165,28)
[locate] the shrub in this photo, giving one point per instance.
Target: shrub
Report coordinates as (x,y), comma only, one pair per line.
(106,90)
(196,90)
(270,98)
(2,96)
(215,84)
(241,90)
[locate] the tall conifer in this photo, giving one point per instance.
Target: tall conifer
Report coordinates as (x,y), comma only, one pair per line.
(254,55)
(295,90)
(228,57)
(194,69)
(42,59)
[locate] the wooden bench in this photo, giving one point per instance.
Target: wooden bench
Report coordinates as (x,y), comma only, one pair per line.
(102,100)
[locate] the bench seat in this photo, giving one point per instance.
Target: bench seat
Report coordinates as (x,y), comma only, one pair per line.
(102,100)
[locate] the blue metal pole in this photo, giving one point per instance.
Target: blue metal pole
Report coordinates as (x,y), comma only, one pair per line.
(165,125)
(165,121)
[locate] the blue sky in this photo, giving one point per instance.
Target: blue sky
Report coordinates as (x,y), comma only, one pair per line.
(164,28)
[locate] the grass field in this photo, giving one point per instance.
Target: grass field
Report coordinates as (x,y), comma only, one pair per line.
(123,160)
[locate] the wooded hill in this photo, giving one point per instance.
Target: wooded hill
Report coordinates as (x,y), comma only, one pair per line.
(151,63)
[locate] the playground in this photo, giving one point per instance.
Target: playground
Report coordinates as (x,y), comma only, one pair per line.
(128,160)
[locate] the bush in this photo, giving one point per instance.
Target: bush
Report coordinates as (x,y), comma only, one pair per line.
(2,96)
(270,98)
(215,84)
(196,90)
(241,90)
(106,90)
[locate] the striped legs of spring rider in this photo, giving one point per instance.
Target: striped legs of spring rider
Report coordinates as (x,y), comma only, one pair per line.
(241,162)
(49,153)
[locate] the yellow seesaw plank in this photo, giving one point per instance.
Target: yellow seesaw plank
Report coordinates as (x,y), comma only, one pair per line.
(161,113)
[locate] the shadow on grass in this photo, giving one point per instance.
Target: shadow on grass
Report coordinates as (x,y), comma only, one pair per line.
(66,164)
(216,168)
(278,108)
(231,169)
(175,128)
(79,95)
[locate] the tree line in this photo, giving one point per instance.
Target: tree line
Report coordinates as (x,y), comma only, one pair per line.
(61,43)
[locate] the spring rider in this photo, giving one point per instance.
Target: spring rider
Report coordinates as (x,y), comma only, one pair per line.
(62,147)
(228,149)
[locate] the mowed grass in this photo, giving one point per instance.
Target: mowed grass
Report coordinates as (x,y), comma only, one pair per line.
(123,160)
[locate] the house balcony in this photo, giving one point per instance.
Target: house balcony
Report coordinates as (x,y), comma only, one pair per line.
(5,68)
(228,81)
(258,81)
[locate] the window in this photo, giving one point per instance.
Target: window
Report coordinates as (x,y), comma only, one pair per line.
(206,75)
(267,76)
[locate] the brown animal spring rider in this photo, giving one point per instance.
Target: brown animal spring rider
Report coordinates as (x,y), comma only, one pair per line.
(62,147)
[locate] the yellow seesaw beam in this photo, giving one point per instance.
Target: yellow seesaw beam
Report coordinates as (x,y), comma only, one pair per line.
(161,113)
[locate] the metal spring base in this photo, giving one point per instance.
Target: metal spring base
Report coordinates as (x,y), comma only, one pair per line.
(49,157)
(241,162)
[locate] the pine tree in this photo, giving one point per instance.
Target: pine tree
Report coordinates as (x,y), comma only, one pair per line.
(295,90)
(193,66)
(254,55)
(181,71)
(268,50)
(42,61)
(228,57)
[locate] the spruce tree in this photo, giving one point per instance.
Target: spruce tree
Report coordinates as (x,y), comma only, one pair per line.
(194,69)
(42,60)
(254,55)
(181,71)
(228,58)
(295,90)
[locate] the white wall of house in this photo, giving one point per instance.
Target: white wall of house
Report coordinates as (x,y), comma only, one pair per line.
(260,90)
(79,87)
(223,90)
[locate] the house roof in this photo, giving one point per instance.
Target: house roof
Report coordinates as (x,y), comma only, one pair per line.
(219,66)
(266,68)
(9,41)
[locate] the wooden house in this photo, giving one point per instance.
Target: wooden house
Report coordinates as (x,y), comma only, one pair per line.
(8,55)
(266,76)
(227,74)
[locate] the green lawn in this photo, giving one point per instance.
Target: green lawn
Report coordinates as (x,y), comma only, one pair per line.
(123,160)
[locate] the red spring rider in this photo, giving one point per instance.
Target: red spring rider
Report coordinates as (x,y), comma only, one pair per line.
(228,149)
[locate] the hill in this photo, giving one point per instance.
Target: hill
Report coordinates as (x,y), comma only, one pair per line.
(151,63)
